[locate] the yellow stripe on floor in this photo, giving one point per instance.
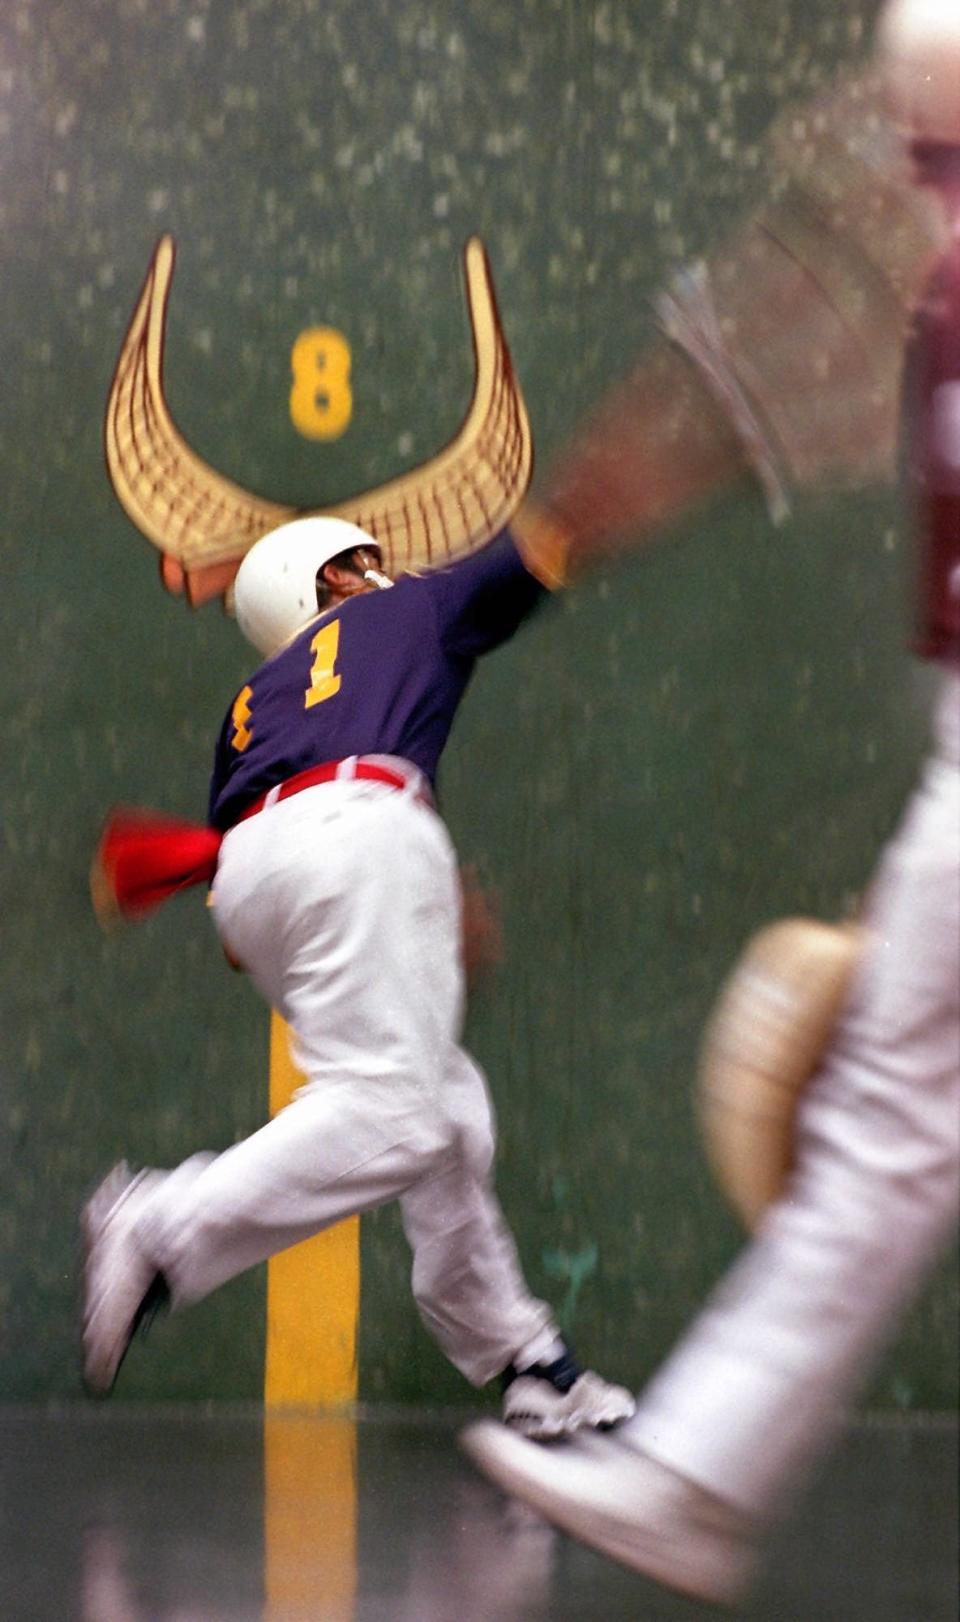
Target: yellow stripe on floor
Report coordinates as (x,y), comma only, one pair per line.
(313,1290)
(310,1530)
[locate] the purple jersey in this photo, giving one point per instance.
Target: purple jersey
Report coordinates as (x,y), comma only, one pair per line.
(380,674)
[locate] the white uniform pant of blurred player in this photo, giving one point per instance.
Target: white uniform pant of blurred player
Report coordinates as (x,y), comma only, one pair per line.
(343,904)
(759,1386)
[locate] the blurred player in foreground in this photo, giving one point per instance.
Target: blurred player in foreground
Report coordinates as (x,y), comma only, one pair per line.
(728,1430)
(336,888)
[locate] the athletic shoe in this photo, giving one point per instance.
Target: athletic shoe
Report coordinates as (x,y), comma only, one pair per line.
(556,1399)
(122,1288)
(625,1505)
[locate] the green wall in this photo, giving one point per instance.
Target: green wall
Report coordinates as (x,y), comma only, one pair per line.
(689,745)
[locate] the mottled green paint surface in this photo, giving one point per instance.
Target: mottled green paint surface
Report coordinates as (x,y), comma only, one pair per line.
(690,745)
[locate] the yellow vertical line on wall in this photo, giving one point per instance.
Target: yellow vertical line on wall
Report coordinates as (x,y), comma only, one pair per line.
(313,1290)
(310,1534)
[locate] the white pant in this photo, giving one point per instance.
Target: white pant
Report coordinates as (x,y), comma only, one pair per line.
(759,1386)
(343,904)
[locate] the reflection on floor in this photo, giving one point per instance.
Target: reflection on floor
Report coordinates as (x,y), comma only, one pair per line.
(135,1514)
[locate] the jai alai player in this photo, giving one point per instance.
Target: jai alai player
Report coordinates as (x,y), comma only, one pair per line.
(756,1392)
(335,886)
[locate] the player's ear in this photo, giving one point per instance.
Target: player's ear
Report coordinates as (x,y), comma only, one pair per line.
(336,574)
(322,586)
(342,576)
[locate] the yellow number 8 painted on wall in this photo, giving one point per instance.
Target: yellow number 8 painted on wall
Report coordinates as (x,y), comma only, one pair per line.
(321,401)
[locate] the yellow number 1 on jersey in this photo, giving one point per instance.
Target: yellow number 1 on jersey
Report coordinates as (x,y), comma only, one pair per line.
(323,682)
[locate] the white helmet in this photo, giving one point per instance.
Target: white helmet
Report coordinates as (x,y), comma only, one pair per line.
(918,46)
(275,591)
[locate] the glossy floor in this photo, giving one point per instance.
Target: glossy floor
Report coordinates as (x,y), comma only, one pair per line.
(127,1514)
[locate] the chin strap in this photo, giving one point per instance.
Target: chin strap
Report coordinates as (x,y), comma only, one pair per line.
(381,581)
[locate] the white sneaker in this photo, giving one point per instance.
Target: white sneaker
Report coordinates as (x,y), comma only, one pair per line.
(627,1506)
(533,1406)
(121,1286)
